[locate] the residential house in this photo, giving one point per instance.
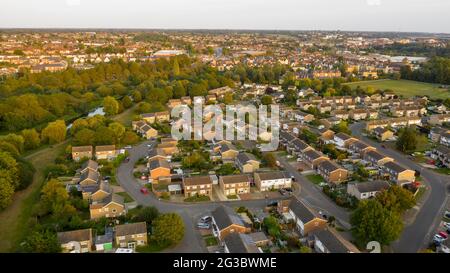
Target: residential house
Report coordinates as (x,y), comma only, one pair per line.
(76,241)
(96,192)
(89,165)
(105,152)
(312,158)
(158,169)
(303,117)
(442,154)
(272,180)
(340,114)
(197,186)
(226,221)
(445,139)
(80,152)
(110,207)
(228,152)
(234,184)
(398,173)
(169,148)
(358,114)
(186,100)
(131,235)
(305,220)
(326,241)
(172,103)
(383,134)
(359,147)
(240,243)
(88,178)
(298,147)
(365,190)
(247,163)
(156,154)
(332,172)
(342,140)
(377,159)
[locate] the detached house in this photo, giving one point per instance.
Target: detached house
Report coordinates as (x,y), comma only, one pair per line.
(131,235)
(234,184)
(332,172)
(326,241)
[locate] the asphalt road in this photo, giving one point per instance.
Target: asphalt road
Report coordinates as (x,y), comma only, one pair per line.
(418,234)
(192,241)
(314,197)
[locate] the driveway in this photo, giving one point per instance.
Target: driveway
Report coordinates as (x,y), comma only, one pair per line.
(418,234)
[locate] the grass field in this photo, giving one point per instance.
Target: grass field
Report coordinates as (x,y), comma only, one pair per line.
(15,218)
(315,179)
(406,88)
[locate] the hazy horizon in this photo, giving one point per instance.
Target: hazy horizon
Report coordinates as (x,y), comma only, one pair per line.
(282,15)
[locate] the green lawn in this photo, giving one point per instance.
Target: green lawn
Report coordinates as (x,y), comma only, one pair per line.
(126,196)
(315,178)
(211,240)
(406,88)
(445,171)
(150,248)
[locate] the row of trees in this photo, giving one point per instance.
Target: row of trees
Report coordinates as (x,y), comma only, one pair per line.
(436,70)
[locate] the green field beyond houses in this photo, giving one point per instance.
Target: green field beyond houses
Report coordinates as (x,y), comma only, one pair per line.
(406,88)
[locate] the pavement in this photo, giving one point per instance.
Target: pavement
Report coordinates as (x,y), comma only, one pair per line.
(190,213)
(417,235)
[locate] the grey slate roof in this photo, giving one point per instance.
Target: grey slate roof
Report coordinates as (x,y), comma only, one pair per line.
(225,217)
(330,241)
(301,211)
(240,243)
(372,186)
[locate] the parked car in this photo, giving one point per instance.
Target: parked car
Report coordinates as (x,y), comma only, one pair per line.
(272,204)
(447,225)
(443,235)
(150,145)
(206,219)
(282,192)
(127,160)
(447,214)
(203,225)
(289,156)
(144,190)
(438,238)
(127,147)
(299,159)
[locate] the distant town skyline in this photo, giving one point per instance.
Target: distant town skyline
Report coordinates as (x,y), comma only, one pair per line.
(348,15)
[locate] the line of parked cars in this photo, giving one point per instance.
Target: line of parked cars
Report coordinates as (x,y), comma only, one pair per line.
(441,236)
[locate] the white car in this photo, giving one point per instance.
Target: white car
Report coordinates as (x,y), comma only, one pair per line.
(203,226)
(206,219)
(127,147)
(438,238)
(447,225)
(299,159)
(289,156)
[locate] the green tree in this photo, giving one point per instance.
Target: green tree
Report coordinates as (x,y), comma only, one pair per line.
(6,192)
(373,222)
(84,137)
(118,130)
(228,98)
(176,67)
(55,132)
(270,160)
(168,229)
(42,242)
(31,138)
(137,96)
(266,100)
(407,139)
(126,102)
(147,214)
(396,198)
(342,127)
(16,140)
(130,138)
(110,106)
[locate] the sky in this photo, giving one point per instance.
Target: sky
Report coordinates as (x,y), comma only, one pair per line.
(358,15)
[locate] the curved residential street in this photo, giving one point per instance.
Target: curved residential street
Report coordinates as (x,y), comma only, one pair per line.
(418,234)
(189,212)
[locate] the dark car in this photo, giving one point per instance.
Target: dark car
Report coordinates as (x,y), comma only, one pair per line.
(272,204)
(127,160)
